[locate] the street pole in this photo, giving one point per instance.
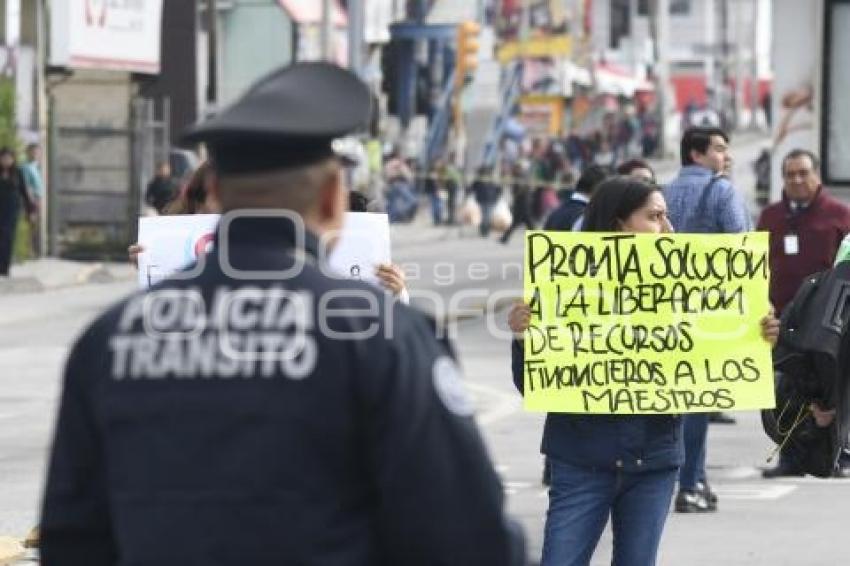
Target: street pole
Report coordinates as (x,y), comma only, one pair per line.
(739,65)
(660,28)
(52,175)
(724,98)
(356,32)
(41,118)
(754,69)
(212,55)
(326,52)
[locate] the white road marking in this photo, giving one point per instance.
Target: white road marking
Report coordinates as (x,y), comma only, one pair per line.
(502,406)
(753,491)
(739,473)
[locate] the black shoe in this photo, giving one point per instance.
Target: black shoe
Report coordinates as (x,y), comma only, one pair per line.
(692,502)
(721,418)
(781,471)
(708,493)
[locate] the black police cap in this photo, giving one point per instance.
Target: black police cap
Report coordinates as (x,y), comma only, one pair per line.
(290,118)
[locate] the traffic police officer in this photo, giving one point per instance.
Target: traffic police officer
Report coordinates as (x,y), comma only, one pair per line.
(255,410)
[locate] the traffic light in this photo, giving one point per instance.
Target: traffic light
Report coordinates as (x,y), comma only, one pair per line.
(467,51)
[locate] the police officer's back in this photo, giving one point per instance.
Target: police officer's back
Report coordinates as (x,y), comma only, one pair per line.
(262,412)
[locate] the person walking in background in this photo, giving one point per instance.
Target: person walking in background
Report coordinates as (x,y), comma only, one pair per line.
(487,193)
(701,200)
(432,188)
(522,202)
(162,188)
(13,194)
(806,228)
(34,180)
(452,181)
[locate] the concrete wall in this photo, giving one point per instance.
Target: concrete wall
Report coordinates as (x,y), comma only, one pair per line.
(92,149)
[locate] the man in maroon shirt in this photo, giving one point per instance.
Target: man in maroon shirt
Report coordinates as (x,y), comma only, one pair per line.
(806,228)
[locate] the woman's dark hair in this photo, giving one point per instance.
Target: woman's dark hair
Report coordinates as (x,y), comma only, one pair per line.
(614,200)
(8,151)
(193,195)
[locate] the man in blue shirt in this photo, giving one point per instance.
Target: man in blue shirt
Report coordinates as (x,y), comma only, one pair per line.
(31,170)
(702,200)
(705,152)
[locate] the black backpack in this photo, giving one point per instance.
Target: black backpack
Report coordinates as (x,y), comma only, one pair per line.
(811,365)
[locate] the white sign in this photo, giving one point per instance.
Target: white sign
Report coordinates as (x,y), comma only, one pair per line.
(172,243)
(363,245)
(119,35)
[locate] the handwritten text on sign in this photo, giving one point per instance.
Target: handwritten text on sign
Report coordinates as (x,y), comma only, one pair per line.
(645,323)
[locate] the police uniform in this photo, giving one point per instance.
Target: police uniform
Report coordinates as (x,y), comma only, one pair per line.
(261,412)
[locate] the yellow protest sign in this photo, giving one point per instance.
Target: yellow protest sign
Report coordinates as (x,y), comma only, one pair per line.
(646,323)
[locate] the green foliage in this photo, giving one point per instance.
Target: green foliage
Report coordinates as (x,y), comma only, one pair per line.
(8,133)
(23,241)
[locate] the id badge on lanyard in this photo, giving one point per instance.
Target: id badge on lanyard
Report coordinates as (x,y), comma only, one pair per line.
(792,244)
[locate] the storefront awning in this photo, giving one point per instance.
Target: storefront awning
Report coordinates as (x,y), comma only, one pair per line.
(611,79)
(309,12)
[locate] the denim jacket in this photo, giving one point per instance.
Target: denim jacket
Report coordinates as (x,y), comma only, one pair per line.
(631,443)
(727,212)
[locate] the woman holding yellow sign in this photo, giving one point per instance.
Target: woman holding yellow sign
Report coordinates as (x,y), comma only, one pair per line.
(624,466)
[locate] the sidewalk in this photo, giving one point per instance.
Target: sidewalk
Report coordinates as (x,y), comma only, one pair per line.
(53,273)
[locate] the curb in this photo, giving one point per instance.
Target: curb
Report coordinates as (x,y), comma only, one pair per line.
(95,273)
(19,285)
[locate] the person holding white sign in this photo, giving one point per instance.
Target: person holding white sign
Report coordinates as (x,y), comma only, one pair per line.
(622,466)
(196,198)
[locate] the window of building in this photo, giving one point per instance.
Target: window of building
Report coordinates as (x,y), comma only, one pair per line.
(677,7)
(835,126)
(620,21)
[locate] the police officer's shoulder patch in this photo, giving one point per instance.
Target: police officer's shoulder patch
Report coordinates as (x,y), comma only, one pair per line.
(450,388)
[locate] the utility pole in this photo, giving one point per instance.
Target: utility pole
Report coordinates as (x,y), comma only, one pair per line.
(660,30)
(41,119)
(740,53)
(212,54)
(755,103)
(326,31)
(356,29)
(722,91)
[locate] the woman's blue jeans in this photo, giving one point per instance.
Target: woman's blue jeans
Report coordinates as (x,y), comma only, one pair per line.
(580,502)
(695,433)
